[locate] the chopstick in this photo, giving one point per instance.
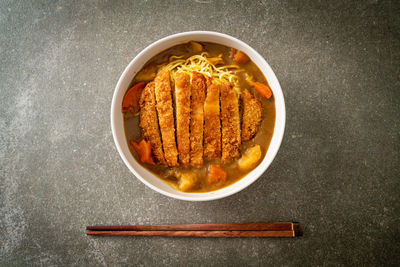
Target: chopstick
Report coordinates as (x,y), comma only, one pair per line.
(279,229)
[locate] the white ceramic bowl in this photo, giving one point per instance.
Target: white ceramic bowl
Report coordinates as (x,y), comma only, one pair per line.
(137,63)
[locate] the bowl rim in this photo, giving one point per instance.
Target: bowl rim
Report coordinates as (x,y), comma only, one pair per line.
(277,136)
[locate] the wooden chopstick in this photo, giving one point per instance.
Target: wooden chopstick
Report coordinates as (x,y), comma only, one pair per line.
(280,229)
(196,233)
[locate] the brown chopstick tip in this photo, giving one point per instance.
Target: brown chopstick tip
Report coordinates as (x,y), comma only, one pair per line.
(297,229)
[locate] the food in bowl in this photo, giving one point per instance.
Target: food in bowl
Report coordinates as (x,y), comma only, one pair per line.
(199,115)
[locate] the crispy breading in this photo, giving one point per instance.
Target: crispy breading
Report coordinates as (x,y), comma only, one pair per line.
(197,118)
(208,80)
(148,117)
(212,127)
(182,111)
(166,117)
(230,122)
(252,115)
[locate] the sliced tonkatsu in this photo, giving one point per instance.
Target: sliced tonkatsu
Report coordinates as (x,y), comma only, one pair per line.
(197,118)
(148,117)
(166,117)
(252,115)
(182,111)
(212,128)
(230,122)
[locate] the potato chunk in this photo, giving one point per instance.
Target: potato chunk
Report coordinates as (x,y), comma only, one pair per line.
(195,46)
(186,179)
(250,158)
(147,74)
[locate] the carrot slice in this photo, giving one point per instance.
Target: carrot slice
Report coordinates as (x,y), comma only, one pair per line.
(241,58)
(263,89)
(143,149)
(216,174)
(131,98)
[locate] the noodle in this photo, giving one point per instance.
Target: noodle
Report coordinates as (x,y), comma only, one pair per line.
(202,63)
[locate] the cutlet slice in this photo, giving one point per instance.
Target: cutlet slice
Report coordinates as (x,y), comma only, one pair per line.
(230,121)
(197,118)
(148,122)
(182,109)
(212,127)
(252,115)
(166,117)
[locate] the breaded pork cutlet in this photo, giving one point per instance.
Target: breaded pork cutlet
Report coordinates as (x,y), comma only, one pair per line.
(148,122)
(182,111)
(252,115)
(230,122)
(212,127)
(166,117)
(197,118)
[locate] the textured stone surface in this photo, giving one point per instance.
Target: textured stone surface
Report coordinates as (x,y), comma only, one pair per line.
(337,172)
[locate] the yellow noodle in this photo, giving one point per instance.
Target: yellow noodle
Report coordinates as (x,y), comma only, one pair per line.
(199,63)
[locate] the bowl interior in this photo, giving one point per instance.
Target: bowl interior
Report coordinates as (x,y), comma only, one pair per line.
(138,62)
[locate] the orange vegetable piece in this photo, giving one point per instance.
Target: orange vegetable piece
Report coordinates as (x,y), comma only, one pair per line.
(216,174)
(263,89)
(143,149)
(241,58)
(131,98)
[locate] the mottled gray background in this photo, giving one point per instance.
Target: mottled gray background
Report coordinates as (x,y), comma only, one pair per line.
(337,172)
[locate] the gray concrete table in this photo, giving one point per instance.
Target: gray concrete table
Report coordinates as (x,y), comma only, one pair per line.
(337,172)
